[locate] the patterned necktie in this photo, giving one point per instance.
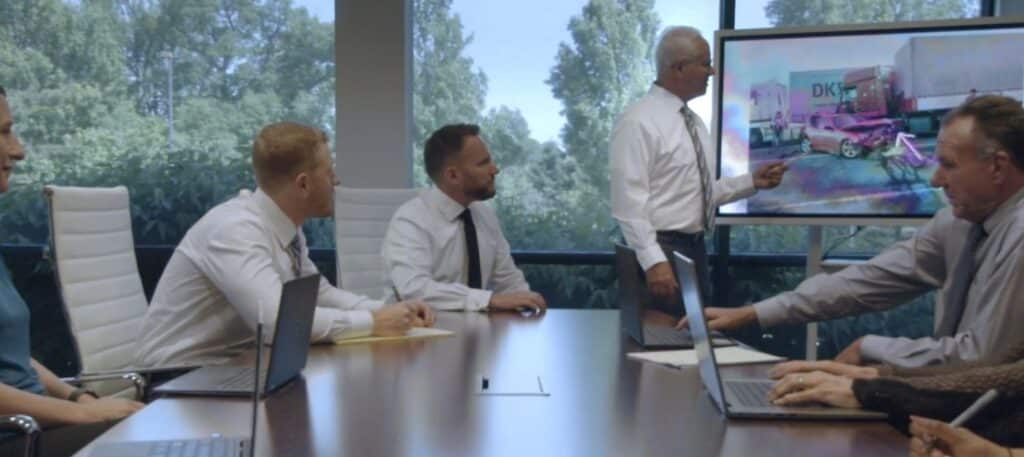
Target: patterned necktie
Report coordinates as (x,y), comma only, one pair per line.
(955,299)
(472,250)
(295,252)
(708,210)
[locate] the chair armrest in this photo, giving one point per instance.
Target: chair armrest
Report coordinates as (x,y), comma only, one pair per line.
(136,379)
(26,425)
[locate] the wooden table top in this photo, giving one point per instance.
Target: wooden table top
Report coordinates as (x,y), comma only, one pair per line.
(418,398)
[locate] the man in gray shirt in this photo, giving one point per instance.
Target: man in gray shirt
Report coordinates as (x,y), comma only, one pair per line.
(973,251)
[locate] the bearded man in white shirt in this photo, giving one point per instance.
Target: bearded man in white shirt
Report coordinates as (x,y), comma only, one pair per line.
(662,168)
(445,246)
(235,259)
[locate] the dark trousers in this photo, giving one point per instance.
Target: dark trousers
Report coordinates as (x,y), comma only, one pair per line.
(692,246)
(57,441)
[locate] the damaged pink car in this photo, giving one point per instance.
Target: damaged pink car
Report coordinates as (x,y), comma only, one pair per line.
(846,135)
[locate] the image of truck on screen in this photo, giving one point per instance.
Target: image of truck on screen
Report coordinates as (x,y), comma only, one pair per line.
(932,75)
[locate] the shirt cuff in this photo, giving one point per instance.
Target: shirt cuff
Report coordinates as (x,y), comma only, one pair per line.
(872,348)
(650,256)
(770,312)
(360,324)
(478,299)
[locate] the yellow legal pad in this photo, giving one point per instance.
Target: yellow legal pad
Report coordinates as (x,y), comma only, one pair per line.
(413,334)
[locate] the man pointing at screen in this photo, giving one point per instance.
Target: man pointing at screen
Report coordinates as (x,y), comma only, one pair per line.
(971,252)
(663,189)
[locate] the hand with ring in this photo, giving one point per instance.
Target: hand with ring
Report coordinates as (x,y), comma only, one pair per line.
(814,387)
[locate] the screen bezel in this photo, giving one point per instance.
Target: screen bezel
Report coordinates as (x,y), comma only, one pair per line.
(722,36)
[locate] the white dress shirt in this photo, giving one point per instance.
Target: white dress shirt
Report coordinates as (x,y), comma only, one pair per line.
(992,312)
(230,263)
(655,180)
(425,254)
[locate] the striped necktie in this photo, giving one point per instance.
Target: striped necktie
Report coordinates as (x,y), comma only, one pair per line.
(708,210)
(295,252)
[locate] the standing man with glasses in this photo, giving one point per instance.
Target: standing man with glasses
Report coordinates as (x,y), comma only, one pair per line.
(236,258)
(663,186)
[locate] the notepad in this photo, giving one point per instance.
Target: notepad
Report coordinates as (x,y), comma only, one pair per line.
(733,355)
(413,334)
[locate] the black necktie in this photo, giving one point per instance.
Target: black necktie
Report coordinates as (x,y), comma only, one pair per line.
(472,250)
(955,299)
(708,209)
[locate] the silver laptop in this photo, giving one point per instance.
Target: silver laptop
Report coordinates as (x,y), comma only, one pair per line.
(634,298)
(288,351)
(214,446)
(739,397)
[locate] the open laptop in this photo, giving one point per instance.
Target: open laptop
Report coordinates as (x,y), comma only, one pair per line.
(214,446)
(288,351)
(634,299)
(741,397)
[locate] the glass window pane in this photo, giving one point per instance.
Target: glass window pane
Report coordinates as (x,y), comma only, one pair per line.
(796,13)
(108,93)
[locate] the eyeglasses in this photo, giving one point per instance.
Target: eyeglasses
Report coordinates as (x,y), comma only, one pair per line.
(682,63)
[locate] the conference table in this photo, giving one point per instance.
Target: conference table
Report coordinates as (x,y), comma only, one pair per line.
(420,398)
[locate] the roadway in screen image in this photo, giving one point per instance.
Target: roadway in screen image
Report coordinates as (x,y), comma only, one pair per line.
(893,180)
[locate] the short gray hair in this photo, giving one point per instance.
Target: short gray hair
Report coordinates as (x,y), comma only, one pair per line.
(673,42)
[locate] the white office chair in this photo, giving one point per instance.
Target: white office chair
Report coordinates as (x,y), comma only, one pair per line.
(361,218)
(93,254)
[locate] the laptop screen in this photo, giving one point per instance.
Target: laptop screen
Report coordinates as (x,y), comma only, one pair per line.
(687,276)
(632,291)
(292,331)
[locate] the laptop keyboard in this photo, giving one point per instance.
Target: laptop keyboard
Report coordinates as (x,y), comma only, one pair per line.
(666,336)
(241,380)
(750,393)
(206,447)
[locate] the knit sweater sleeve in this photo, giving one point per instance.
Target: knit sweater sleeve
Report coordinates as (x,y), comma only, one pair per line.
(944,397)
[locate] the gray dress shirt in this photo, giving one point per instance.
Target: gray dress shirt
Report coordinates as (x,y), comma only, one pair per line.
(995,301)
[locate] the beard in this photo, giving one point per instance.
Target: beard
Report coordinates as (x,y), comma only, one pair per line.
(482,193)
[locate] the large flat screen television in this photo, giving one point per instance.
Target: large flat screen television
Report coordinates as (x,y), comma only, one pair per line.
(854,111)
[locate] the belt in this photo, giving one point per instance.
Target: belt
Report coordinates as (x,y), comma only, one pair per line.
(681,236)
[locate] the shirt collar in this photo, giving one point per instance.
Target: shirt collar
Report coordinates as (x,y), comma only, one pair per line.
(664,96)
(449,209)
(1004,212)
(279,222)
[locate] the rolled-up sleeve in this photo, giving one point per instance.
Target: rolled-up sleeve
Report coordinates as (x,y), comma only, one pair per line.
(900,273)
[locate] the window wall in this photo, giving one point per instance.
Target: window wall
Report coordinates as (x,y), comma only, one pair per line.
(162,97)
